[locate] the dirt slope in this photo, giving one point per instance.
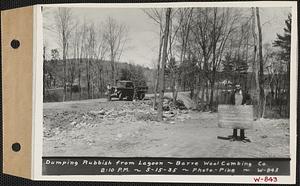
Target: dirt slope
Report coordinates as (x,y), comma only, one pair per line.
(124,129)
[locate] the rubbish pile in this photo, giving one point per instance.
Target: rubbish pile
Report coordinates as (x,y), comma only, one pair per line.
(168,104)
(109,113)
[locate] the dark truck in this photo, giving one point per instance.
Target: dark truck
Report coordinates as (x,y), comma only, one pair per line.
(127,89)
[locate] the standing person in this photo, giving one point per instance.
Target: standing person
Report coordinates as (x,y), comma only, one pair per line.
(238,99)
(238,95)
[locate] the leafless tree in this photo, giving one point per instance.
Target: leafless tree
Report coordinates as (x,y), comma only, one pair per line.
(158,68)
(177,18)
(184,17)
(101,52)
(91,53)
(63,27)
(272,69)
(211,29)
(75,64)
(162,69)
(116,36)
(201,35)
(157,16)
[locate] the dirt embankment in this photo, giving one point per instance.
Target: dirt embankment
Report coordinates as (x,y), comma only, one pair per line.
(124,129)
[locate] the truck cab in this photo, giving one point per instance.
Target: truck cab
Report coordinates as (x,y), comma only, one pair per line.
(127,89)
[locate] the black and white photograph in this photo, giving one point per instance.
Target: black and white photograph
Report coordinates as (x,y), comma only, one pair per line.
(171,82)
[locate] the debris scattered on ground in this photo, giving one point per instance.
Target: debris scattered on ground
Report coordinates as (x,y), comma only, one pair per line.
(168,104)
(127,128)
(183,99)
(112,112)
(100,112)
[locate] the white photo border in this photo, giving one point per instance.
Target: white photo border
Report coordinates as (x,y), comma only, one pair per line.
(37,136)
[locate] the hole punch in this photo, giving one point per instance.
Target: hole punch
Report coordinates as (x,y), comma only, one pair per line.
(16,147)
(15,44)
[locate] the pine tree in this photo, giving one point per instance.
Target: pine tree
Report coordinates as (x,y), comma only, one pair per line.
(284,41)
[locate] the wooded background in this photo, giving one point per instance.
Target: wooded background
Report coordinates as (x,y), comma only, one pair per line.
(206,51)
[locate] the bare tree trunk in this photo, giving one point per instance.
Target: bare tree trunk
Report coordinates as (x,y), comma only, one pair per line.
(288,89)
(88,77)
(255,66)
(280,95)
(92,90)
(65,74)
(162,71)
(192,91)
(176,89)
(112,64)
(99,82)
(173,79)
(173,87)
(158,69)
(172,62)
(71,92)
(102,85)
(214,46)
(202,93)
(156,86)
(79,78)
(196,95)
(217,94)
(63,26)
(212,88)
(264,105)
(207,92)
(261,67)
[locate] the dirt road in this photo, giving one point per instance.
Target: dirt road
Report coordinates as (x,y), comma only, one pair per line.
(128,129)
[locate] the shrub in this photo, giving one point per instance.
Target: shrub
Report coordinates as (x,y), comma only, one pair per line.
(52,97)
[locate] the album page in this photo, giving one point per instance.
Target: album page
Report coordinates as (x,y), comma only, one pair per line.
(166,92)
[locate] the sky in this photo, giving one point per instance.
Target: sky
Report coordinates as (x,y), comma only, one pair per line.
(142,46)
